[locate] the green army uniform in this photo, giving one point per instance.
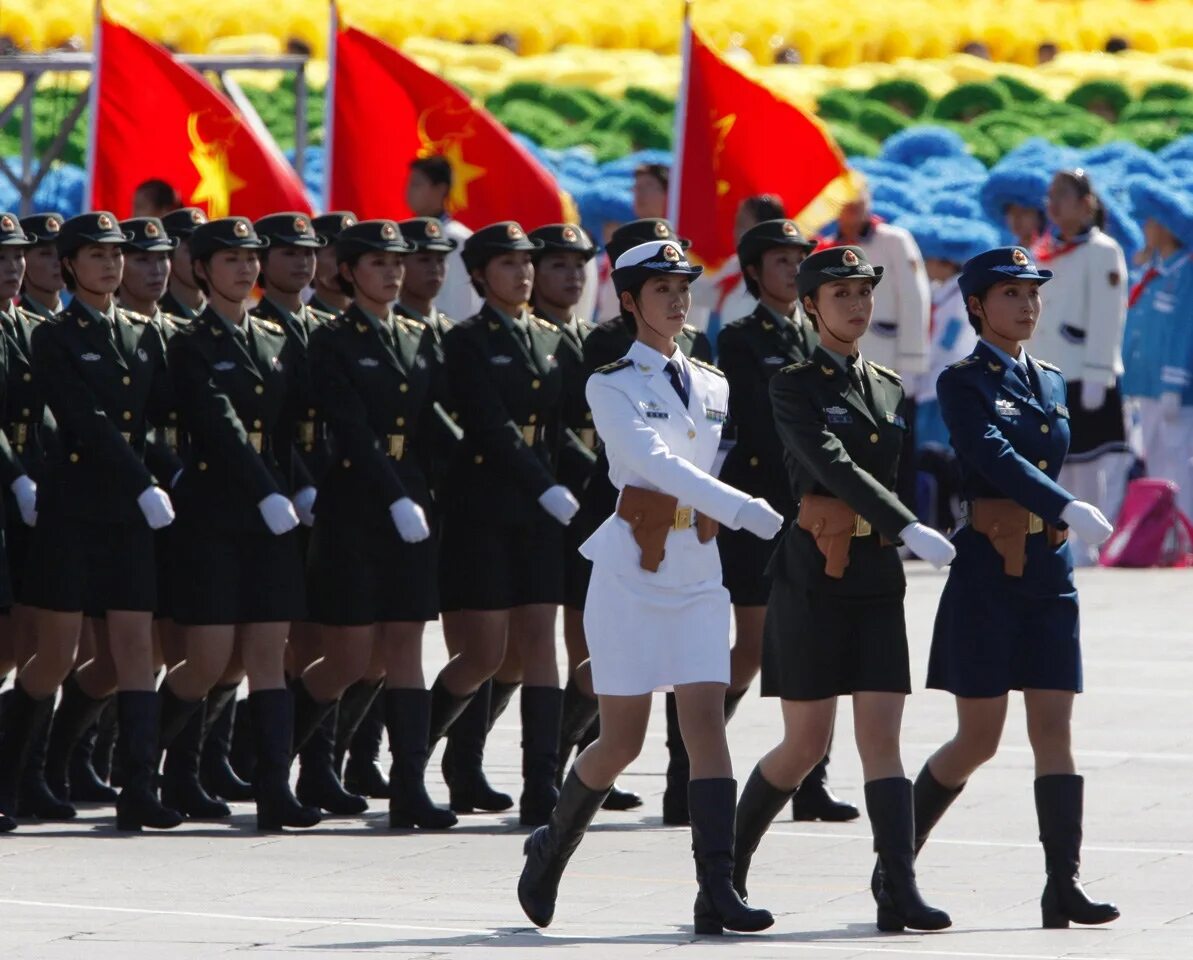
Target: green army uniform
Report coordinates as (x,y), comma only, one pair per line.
(42,230)
(179,225)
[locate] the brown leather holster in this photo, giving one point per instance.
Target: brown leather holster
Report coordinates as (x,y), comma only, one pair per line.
(833,525)
(1006,525)
(652,515)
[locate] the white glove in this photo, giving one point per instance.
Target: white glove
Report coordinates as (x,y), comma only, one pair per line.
(410,520)
(25,490)
(304,505)
(559,502)
(155,504)
(1093,395)
(927,544)
(278,513)
(759,518)
(1087,522)
(1170,406)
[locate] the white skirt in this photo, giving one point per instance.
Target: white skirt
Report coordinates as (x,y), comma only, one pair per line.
(644,637)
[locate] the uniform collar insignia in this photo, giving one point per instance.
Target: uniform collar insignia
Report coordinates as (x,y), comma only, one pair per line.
(827,371)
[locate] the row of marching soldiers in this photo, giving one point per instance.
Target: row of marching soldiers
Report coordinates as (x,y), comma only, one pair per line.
(204,485)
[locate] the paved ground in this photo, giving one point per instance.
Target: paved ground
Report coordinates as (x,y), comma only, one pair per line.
(353,887)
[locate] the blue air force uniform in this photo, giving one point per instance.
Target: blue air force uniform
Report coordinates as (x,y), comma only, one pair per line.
(1009,425)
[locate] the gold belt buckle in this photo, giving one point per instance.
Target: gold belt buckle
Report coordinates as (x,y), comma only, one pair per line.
(588,437)
(397,445)
(306,431)
(255,440)
(20,432)
(861,526)
(1034,524)
(529,434)
(683,518)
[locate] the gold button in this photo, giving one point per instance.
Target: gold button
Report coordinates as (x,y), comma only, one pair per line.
(478,459)
(258,389)
(256,424)
(873,438)
(588,416)
(753,461)
(691,434)
(26,377)
(403,387)
(202,464)
(311,412)
(308,447)
(25,412)
(533,418)
(126,380)
(173,414)
(455,415)
(535,384)
(1044,428)
(1043,464)
(345,463)
(127,415)
(400,421)
(74,458)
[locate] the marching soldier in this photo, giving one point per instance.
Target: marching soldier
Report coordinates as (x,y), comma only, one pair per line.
(834,623)
(372,570)
(103,373)
(237,574)
(328,296)
(43,285)
(184,299)
(1008,617)
(425,273)
(503,514)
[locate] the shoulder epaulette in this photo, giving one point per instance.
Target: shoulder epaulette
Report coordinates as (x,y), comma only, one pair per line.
(689,329)
(545,324)
(887,370)
(797,367)
(1045,365)
(966,362)
(132,317)
(321,315)
(615,366)
(706,366)
(269,325)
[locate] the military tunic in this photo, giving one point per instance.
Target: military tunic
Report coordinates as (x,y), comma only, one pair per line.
(106,383)
(375,383)
(828,636)
(239,393)
(500,548)
(995,632)
(750,351)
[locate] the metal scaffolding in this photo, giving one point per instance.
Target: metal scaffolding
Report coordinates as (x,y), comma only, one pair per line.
(33,66)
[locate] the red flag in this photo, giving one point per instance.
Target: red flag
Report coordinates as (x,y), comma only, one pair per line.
(153,117)
(386,111)
(735,138)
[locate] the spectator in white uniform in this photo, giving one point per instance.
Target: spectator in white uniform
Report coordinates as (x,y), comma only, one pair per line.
(427,190)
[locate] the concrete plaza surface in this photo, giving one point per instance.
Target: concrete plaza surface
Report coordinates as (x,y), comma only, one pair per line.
(352,887)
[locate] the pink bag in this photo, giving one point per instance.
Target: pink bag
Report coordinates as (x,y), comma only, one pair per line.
(1151,531)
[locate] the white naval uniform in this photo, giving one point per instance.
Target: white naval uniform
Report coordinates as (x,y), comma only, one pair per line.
(1081,331)
(457,299)
(650,631)
(898,334)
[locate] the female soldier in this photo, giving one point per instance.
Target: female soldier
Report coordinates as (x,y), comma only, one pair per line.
(237,578)
(372,571)
(184,299)
(750,351)
(43,270)
(504,510)
(834,625)
(657,614)
(1086,310)
(327,296)
(1008,618)
(103,372)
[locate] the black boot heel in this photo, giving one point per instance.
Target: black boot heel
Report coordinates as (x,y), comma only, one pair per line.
(1052,915)
(705,920)
(889,921)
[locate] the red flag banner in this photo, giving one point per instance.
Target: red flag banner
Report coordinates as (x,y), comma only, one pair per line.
(735,138)
(153,117)
(386,111)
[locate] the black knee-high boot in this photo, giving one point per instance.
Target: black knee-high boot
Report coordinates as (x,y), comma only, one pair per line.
(408,720)
(468,787)
(138,805)
(218,777)
(318,780)
(358,735)
(541,707)
(932,799)
(37,800)
(760,803)
(813,800)
(675,794)
(548,849)
(73,737)
(718,907)
(1060,802)
(579,714)
(105,744)
(242,754)
(891,808)
(500,695)
(22,717)
(309,715)
(181,787)
(273,729)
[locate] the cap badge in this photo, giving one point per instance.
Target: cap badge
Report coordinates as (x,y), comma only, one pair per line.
(789,228)
(661,229)
(348,221)
(151,229)
(104,221)
(849,258)
(301,225)
(388,232)
(670,254)
(514,231)
(53,224)
(1019,258)
(569,235)
(198,216)
(6,223)
(241,229)
(433,229)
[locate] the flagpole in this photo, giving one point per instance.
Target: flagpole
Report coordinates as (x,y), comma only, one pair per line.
(92,100)
(681,117)
(329,104)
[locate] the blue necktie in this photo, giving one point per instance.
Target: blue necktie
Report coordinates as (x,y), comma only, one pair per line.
(1021,373)
(676,379)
